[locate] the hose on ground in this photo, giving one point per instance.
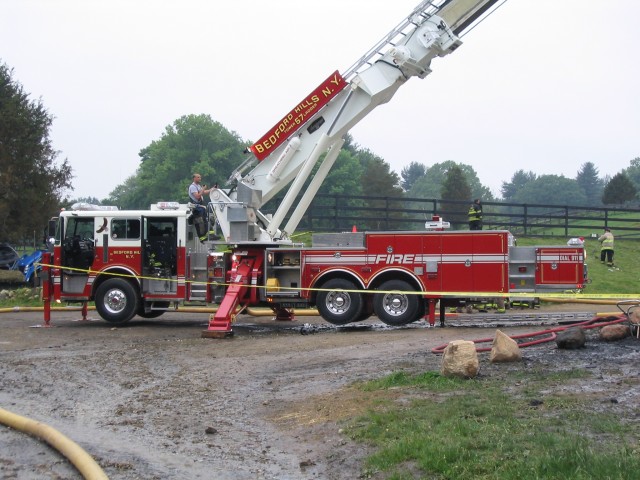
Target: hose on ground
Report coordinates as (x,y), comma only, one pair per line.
(254,312)
(587,301)
(80,459)
(548,335)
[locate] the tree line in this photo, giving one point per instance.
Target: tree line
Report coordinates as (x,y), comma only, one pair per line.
(198,143)
(35,184)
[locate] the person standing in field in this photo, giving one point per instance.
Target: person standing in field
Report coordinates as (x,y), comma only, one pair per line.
(606,250)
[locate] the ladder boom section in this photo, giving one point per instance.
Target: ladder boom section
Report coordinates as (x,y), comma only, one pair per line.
(290,150)
(460,15)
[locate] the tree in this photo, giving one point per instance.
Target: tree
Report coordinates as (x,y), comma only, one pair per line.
(377,177)
(429,186)
(632,172)
(193,143)
(551,190)
(619,190)
(411,173)
(590,183)
(455,189)
(127,194)
(379,180)
(32,182)
(518,181)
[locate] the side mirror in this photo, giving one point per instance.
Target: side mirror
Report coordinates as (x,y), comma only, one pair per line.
(51,228)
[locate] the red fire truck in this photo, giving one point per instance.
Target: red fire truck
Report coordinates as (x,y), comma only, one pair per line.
(145,262)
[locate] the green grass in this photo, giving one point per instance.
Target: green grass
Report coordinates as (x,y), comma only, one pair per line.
(492,429)
(22,297)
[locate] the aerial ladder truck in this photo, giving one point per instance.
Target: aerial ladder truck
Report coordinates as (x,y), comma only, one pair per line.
(148,261)
(311,135)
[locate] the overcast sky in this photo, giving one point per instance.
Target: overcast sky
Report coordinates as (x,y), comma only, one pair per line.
(541,85)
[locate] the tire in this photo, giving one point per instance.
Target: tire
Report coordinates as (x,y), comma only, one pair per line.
(367,308)
(117,301)
(396,308)
(339,307)
(152,313)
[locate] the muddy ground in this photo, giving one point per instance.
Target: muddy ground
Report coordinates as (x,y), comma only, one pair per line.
(154,400)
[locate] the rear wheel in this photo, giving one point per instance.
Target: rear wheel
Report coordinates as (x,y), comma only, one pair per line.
(367,307)
(396,305)
(338,303)
(116,301)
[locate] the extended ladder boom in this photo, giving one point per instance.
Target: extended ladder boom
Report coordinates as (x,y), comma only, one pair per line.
(288,152)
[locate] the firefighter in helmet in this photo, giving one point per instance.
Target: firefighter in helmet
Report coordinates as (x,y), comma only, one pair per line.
(606,250)
(475,215)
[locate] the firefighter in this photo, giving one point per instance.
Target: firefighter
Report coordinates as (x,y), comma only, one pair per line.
(199,215)
(475,215)
(606,251)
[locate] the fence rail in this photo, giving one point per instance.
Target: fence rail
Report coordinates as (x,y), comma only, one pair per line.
(342,212)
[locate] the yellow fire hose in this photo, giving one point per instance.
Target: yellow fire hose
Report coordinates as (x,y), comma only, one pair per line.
(80,459)
(255,312)
(582,300)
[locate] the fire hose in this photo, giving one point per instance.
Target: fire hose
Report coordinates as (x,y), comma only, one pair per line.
(80,459)
(254,312)
(547,335)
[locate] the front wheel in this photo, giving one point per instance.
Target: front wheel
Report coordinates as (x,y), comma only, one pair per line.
(396,305)
(116,301)
(338,303)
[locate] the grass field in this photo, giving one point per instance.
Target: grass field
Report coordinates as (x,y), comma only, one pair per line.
(493,428)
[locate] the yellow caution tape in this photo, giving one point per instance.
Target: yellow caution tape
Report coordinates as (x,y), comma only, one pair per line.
(456,294)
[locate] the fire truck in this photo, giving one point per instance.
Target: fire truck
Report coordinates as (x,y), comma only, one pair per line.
(147,262)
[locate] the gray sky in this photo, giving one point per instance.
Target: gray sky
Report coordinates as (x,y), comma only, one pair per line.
(541,85)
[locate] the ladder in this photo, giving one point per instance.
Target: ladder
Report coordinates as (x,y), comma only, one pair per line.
(464,14)
(418,16)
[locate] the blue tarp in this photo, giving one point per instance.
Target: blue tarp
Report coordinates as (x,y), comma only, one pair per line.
(27,265)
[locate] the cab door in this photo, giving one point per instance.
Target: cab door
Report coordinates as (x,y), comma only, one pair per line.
(77,252)
(159,255)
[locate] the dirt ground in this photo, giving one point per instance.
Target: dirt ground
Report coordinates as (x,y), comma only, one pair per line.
(154,400)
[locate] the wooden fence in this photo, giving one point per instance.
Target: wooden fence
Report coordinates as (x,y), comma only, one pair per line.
(335,213)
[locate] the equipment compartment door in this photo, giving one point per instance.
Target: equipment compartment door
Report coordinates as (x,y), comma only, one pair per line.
(490,262)
(457,263)
(559,266)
